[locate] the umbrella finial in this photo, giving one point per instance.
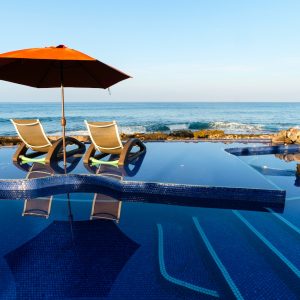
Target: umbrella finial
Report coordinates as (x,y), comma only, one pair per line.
(61,46)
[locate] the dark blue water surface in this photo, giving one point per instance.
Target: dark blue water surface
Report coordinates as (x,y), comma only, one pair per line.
(158,116)
(102,246)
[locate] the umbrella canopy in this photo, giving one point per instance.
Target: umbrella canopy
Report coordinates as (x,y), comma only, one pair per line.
(45,67)
(57,67)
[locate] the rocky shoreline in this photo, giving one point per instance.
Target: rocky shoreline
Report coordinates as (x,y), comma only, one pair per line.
(289,136)
(196,135)
(201,135)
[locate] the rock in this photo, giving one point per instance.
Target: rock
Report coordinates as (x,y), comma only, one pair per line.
(213,134)
(162,136)
(182,133)
(293,134)
(290,136)
(280,137)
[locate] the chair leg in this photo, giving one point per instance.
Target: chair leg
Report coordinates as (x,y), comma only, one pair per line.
(89,153)
(21,150)
(126,155)
(55,151)
(72,141)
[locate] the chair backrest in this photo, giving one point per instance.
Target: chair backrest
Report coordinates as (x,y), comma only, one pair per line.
(105,136)
(32,134)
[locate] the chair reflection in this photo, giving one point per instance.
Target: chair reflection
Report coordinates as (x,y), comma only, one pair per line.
(111,171)
(118,172)
(106,206)
(41,206)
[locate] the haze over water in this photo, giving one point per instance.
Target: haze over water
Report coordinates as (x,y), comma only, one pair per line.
(157,116)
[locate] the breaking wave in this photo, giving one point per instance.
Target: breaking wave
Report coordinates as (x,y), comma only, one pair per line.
(228,127)
(235,127)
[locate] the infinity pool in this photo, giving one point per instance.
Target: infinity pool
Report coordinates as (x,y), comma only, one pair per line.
(111,242)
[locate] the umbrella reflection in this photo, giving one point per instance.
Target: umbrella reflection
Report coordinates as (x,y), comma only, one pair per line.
(55,264)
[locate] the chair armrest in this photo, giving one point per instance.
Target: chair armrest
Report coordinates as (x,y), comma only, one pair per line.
(126,154)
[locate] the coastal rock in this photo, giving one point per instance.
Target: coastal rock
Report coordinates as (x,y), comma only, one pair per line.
(293,134)
(290,136)
(182,133)
(213,134)
(155,136)
(161,136)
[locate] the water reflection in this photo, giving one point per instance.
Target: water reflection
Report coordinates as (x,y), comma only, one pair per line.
(58,265)
(41,206)
(105,207)
(115,187)
(118,172)
(285,153)
(288,158)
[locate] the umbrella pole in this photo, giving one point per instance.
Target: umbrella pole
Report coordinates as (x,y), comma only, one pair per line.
(63,119)
(70,217)
(63,124)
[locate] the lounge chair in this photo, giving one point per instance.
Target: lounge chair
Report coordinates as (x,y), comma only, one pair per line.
(39,207)
(105,139)
(106,207)
(34,138)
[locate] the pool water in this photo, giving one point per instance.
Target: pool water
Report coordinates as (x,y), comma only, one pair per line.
(110,245)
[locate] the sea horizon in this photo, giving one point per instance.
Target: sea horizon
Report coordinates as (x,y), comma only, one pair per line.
(151,101)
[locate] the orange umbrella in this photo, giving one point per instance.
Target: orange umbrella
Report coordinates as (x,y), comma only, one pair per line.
(57,67)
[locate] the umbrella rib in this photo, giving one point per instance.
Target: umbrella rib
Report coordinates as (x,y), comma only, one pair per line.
(44,76)
(91,75)
(8,64)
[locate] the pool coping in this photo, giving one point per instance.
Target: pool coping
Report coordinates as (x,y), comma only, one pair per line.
(74,183)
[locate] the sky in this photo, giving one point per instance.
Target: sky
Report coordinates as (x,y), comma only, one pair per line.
(175,50)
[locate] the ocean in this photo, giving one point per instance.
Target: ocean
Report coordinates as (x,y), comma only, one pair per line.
(232,117)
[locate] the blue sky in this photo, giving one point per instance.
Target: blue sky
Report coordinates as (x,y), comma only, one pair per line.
(197,50)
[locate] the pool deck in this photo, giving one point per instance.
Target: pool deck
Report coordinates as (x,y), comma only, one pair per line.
(180,169)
